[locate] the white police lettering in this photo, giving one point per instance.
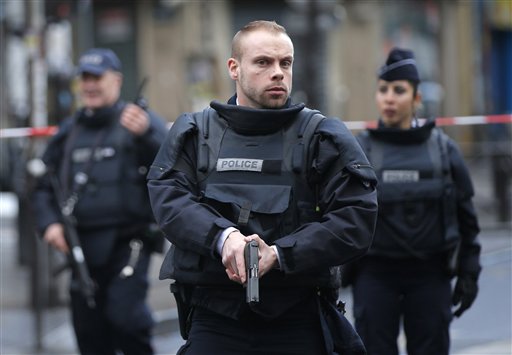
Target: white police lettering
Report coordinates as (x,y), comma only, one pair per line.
(82,155)
(91,59)
(240,164)
(105,152)
(400,175)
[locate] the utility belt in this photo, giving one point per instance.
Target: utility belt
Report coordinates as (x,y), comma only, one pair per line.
(139,238)
(231,302)
(447,261)
(183,296)
(149,234)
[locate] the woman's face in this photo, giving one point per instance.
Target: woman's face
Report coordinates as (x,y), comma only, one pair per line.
(396,103)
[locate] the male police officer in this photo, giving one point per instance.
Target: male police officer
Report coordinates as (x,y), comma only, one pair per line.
(260,168)
(101,155)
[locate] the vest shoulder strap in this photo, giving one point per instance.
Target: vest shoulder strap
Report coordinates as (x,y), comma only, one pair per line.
(209,138)
(301,132)
(372,149)
(307,123)
(442,141)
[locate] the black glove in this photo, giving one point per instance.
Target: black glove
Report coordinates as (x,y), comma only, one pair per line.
(466,289)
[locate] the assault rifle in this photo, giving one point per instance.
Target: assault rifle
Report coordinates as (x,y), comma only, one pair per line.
(251,269)
(76,254)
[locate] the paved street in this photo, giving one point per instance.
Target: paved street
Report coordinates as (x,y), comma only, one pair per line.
(484,330)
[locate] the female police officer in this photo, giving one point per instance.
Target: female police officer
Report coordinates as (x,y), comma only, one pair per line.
(426,228)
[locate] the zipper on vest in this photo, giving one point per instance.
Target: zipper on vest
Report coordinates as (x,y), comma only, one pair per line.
(359,166)
(317,208)
(158,167)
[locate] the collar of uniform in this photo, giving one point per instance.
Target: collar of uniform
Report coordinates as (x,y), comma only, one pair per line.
(413,135)
(100,117)
(250,121)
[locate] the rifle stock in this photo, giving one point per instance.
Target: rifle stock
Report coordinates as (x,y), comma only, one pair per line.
(76,254)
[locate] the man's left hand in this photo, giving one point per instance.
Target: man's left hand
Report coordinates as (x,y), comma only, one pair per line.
(267,255)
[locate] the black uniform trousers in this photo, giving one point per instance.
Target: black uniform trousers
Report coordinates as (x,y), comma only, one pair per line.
(121,320)
(296,332)
(388,291)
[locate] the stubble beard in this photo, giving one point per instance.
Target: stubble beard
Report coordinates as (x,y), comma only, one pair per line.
(265,101)
(262,99)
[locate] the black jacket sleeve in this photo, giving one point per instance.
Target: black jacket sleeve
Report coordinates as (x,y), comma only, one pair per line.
(174,193)
(348,206)
(469,254)
(46,207)
(149,143)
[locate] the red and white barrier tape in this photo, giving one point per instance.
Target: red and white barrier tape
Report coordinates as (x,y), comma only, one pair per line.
(443,121)
(354,125)
(28,132)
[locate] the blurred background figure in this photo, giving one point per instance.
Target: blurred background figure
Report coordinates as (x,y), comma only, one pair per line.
(100,156)
(426,230)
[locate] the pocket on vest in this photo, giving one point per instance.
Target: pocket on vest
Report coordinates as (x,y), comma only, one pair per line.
(414,213)
(254,208)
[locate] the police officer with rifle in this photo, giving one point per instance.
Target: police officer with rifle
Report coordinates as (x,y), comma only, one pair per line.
(93,204)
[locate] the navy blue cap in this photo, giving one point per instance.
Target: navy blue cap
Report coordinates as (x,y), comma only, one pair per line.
(98,60)
(400,65)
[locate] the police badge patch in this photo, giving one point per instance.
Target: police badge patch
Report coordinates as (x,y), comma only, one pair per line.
(400,175)
(239,164)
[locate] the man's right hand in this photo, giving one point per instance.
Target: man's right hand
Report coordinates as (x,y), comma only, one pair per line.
(54,235)
(233,257)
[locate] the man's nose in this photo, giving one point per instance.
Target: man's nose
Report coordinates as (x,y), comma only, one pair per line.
(277,72)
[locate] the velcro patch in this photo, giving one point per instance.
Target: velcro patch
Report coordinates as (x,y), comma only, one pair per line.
(400,176)
(82,155)
(239,164)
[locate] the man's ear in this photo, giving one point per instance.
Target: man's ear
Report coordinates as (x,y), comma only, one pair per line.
(233,68)
(118,77)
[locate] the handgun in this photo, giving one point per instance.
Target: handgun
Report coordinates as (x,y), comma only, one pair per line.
(251,269)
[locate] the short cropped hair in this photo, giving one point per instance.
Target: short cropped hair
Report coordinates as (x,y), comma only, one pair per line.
(270,26)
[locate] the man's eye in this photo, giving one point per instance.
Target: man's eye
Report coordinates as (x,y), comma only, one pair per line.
(383,89)
(262,62)
(286,64)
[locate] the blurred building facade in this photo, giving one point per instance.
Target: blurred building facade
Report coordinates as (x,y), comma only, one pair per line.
(182,46)
(463,49)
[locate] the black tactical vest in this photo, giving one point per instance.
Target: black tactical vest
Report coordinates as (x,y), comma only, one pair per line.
(416,195)
(115,193)
(258,181)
